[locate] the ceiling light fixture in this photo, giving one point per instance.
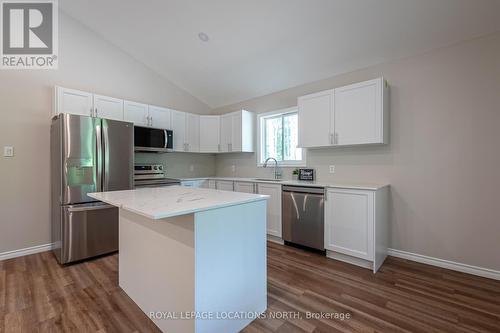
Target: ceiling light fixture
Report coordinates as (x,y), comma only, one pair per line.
(203,37)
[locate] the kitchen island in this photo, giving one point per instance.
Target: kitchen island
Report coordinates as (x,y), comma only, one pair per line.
(194,260)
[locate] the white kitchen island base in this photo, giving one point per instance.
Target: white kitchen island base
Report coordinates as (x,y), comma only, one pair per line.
(200,272)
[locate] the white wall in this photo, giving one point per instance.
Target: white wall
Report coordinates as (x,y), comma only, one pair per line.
(444,156)
(89,63)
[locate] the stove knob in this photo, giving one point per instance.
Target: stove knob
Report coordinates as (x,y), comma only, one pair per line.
(155,168)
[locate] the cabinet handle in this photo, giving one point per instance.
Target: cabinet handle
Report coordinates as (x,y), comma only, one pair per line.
(150,120)
(95,113)
(336,138)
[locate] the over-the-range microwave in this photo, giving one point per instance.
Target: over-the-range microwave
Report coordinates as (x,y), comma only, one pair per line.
(147,139)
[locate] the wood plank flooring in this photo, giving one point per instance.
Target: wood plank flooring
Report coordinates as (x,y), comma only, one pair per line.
(38,295)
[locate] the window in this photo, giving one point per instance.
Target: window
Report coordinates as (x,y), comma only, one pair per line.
(278,137)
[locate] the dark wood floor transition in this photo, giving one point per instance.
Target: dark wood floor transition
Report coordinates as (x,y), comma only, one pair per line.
(307,293)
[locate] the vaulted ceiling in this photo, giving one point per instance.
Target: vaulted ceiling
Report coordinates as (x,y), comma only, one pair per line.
(261,46)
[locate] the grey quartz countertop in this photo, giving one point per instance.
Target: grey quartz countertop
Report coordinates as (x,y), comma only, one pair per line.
(346,185)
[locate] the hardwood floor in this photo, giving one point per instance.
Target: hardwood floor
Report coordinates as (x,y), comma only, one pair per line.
(38,295)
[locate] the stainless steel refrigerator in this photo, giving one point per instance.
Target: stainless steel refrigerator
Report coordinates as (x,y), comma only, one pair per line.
(87,155)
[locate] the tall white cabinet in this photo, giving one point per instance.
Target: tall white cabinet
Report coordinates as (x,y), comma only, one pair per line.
(356,226)
(350,115)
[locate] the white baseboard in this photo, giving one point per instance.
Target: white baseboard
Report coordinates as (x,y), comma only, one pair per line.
(456,266)
(26,251)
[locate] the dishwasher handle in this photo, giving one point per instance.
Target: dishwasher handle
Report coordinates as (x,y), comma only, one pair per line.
(303,189)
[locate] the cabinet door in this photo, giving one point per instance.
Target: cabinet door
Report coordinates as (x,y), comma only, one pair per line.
(160,117)
(349,222)
(179,130)
(209,134)
(236,132)
(225,185)
(192,132)
(108,107)
(359,113)
(73,102)
(315,120)
(273,207)
(136,113)
(198,183)
(226,132)
(244,187)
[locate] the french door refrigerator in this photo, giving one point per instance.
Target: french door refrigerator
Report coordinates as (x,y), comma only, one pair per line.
(87,155)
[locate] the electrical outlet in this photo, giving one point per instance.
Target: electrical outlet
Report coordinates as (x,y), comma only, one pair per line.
(233,168)
(332,168)
(8,151)
(191,168)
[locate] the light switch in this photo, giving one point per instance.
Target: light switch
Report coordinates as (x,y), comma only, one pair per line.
(332,168)
(8,151)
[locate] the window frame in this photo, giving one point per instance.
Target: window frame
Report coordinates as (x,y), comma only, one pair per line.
(260,138)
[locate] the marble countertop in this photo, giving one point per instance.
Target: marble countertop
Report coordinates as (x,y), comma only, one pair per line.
(346,185)
(160,202)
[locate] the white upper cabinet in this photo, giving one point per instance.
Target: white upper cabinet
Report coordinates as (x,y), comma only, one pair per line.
(160,117)
(108,107)
(315,114)
(146,115)
(236,131)
(226,130)
(209,134)
(359,113)
(136,113)
(351,115)
(192,132)
(179,129)
(73,101)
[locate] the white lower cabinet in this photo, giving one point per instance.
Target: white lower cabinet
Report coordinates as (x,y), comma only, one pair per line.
(356,226)
(224,185)
(195,183)
(273,207)
(244,187)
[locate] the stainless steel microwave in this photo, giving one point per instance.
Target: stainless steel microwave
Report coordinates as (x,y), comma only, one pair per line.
(147,139)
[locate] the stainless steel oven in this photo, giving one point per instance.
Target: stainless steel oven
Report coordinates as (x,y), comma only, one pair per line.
(156,140)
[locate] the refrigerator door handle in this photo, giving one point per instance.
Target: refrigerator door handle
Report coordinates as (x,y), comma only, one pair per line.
(105,156)
(98,157)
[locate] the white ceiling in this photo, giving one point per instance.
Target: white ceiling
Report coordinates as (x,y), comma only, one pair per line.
(257,47)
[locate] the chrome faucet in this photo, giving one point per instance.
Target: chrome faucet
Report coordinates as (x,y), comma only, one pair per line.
(277,172)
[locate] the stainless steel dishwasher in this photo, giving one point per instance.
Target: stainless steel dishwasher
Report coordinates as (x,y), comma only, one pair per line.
(303,216)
